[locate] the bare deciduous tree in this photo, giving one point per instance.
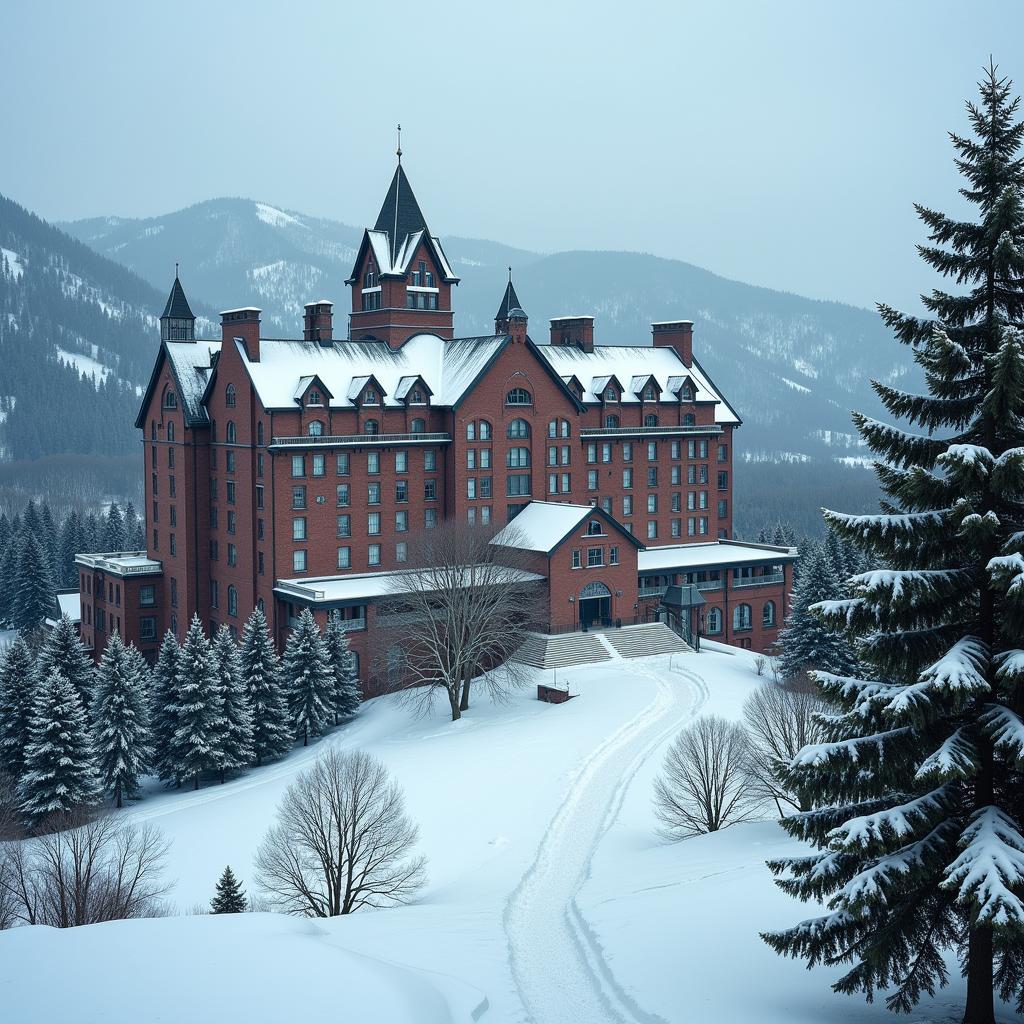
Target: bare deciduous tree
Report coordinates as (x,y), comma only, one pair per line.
(98,869)
(704,785)
(780,720)
(462,610)
(342,841)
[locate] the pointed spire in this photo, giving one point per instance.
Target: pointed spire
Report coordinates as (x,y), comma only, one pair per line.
(509,302)
(398,152)
(177,322)
(400,216)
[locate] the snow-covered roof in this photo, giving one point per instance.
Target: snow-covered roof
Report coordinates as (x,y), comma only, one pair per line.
(191,361)
(622,363)
(361,587)
(70,604)
(686,557)
(448,368)
(121,563)
(542,525)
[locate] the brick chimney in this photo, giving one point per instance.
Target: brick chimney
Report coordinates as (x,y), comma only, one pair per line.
(243,324)
(676,334)
(318,322)
(573,330)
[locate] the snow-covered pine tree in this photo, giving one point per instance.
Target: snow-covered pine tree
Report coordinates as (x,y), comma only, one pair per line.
(60,766)
(134,529)
(198,709)
(234,739)
(230,896)
(34,597)
(18,683)
(347,693)
(120,722)
(9,577)
(63,652)
(308,679)
(806,642)
(50,539)
(71,538)
(272,733)
(113,529)
(919,789)
(163,710)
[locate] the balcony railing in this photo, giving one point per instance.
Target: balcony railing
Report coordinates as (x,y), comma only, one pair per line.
(703,585)
(759,581)
(347,625)
(357,440)
(651,432)
(109,563)
(652,591)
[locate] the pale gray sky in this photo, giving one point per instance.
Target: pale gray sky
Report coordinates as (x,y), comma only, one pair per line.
(779,143)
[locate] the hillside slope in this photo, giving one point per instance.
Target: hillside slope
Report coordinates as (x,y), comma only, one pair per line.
(792,366)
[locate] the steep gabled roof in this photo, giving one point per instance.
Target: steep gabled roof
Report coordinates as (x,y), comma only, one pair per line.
(400,216)
(177,307)
(509,302)
(191,365)
(544,525)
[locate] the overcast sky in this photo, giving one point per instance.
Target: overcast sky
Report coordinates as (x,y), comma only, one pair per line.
(778,143)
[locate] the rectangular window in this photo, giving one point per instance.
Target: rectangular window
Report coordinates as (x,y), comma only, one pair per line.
(723,453)
(344,525)
(232,521)
(344,558)
(171,489)
(613,555)
(723,480)
(259,464)
(485,458)
(373,494)
(373,554)
(591,479)
(704,448)
(401,490)
(652,529)
(373,523)
(518,484)
(429,518)
(595,557)
(723,508)
(230,492)
(401,551)
(691,474)
(344,464)
(299,497)
(319,465)
(627,505)
(214,594)
(430,490)
(652,451)
(606,453)
(299,560)
(170,458)
(703,499)
(471,487)
(552,483)
(627,451)
(373,462)
(298,465)
(214,550)
(260,568)
(591,453)
(401,462)
(485,486)
(401,522)
(430,460)
(691,449)
(652,476)
(627,478)
(677,502)
(470,458)
(174,544)
(566,483)
(471,515)
(677,527)
(553,456)
(485,514)
(652,504)
(156,512)
(259,496)
(577,559)
(259,529)
(147,596)
(229,461)
(343,495)
(232,555)
(299,528)
(677,475)
(691,527)
(677,450)
(703,526)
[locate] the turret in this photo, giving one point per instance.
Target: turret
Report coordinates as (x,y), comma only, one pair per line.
(177,322)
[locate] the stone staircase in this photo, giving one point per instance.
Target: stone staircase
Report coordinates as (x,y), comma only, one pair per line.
(567,649)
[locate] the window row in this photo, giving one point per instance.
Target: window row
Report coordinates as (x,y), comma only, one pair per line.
(316,463)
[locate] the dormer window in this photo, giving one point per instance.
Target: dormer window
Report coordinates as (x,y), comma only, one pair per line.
(687,393)
(611,395)
(419,275)
(417,397)
(430,279)
(370,279)
(314,398)
(370,397)
(648,394)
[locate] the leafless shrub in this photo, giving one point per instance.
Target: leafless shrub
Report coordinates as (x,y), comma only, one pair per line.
(10,817)
(760,664)
(94,869)
(704,785)
(780,720)
(462,610)
(342,841)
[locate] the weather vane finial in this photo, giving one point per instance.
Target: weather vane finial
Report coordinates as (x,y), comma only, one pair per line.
(510,274)
(398,151)
(175,270)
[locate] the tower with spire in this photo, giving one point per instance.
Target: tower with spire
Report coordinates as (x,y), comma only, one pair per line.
(401,281)
(177,322)
(511,318)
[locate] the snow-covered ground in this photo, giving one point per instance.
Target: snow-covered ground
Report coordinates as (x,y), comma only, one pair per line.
(550,898)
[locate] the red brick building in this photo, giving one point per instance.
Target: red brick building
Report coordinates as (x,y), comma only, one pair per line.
(291,473)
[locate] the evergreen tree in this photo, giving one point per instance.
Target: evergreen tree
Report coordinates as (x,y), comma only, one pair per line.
(34,599)
(308,679)
(9,577)
(163,710)
(50,539)
(346,682)
(261,674)
(234,741)
(806,642)
(63,652)
(91,533)
(121,720)
(230,897)
(134,529)
(113,529)
(919,789)
(71,544)
(60,766)
(194,748)
(17,695)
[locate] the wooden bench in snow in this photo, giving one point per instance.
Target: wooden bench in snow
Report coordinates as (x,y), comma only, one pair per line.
(553,695)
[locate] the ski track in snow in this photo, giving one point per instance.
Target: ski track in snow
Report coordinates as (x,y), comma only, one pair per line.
(558,965)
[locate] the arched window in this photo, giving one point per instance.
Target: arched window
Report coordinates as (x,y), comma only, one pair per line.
(650,420)
(229,396)
(231,435)
(170,430)
(518,429)
(259,432)
(611,420)
(566,428)
(485,430)
(713,621)
(471,430)
(741,618)
(170,399)
(371,427)
(518,458)
(232,600)
(553,428)
(768,614)
(689,420)
(419,426)
(316,428)
(519,396)
(594,528)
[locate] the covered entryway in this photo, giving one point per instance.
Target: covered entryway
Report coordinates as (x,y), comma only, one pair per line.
(595,605)
(676,611)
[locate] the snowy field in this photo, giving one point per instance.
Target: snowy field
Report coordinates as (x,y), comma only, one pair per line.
(551,898)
